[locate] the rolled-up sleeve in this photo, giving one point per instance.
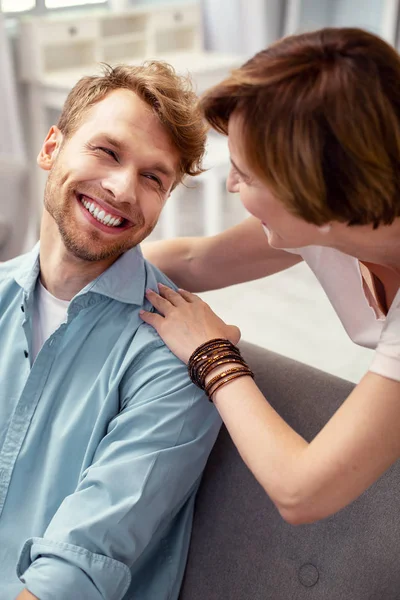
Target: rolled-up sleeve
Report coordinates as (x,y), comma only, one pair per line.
(56,570)
(146,467)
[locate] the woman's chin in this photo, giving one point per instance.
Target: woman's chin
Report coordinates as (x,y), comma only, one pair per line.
(275,240)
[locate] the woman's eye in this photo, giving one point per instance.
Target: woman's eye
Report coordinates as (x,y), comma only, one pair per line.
(237,175)
(243,179)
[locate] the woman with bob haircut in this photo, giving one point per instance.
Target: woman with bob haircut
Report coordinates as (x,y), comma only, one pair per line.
(313,124)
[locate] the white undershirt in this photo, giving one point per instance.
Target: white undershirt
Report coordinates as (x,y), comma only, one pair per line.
(48,314)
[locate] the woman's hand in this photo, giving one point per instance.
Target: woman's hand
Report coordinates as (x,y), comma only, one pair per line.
(185,321)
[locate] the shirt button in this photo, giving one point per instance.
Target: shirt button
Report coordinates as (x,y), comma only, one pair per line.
(26,353)
(308,575)
(22,308)
(51,342)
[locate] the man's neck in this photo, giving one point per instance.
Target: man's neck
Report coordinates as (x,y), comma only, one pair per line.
(63,274)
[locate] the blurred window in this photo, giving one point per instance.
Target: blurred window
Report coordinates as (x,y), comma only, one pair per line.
(19,6)
(65,3)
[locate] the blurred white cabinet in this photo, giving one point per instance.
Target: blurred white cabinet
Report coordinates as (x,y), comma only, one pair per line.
(378,16)
(54,43)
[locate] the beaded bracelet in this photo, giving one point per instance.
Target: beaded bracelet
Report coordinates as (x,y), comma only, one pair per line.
(212,354)
(226,380)
(208,353)
(204,371)
(205,356)
(218,378)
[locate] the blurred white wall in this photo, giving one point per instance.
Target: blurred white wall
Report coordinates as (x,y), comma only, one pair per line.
(13,173)
(242,26)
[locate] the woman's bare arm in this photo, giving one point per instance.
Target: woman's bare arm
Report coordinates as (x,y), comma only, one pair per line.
(306,481)
(310,481)
(239,254)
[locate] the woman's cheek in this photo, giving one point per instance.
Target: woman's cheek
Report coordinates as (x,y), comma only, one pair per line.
(253,203)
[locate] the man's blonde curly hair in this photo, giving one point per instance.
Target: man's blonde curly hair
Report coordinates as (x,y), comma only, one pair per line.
(169,95)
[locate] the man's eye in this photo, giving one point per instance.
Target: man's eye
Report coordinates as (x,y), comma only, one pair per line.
(154,178)
(108,151)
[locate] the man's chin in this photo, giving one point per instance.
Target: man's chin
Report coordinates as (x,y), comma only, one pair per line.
(93,255)
(92,247)
(92,250)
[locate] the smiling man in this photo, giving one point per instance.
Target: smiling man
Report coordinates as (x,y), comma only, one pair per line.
(103,438)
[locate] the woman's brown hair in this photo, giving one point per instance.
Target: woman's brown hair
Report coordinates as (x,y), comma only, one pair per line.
(169,95)
(320,114)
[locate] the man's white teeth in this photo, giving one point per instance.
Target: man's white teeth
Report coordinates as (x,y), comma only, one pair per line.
(101,215)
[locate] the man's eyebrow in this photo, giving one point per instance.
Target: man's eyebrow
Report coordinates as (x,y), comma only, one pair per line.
(161,168)
(158,166)
(237,169)
(112,141)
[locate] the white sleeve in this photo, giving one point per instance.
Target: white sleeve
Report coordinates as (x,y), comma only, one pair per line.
(386,360)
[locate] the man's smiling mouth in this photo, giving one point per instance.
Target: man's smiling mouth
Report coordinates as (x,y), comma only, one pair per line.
(105,218)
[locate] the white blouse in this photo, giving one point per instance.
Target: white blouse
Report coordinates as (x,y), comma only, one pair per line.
(341,277)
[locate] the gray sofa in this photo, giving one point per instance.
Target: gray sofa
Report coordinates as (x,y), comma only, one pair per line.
(241,549)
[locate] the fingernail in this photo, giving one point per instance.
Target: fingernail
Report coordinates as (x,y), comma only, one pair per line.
(149,291)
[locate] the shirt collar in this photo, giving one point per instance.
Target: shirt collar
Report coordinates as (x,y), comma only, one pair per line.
(124,281)
(28,269)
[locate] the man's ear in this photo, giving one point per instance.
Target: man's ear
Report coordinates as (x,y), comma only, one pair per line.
(50,148)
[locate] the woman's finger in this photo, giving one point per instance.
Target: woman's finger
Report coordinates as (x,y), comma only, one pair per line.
(160,303)
(188,296)
(152,319)
(173,297)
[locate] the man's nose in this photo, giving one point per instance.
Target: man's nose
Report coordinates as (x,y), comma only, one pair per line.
(232,182)
(122,184)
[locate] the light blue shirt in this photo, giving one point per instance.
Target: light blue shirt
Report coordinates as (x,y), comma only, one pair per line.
(102,443)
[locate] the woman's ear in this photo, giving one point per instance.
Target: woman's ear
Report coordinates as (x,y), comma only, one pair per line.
(232,182)
(50,148)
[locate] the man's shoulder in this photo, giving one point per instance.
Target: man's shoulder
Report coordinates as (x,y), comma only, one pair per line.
(145,343)
(155,276)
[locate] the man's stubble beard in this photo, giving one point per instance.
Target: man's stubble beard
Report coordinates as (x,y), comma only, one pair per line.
(77,243)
